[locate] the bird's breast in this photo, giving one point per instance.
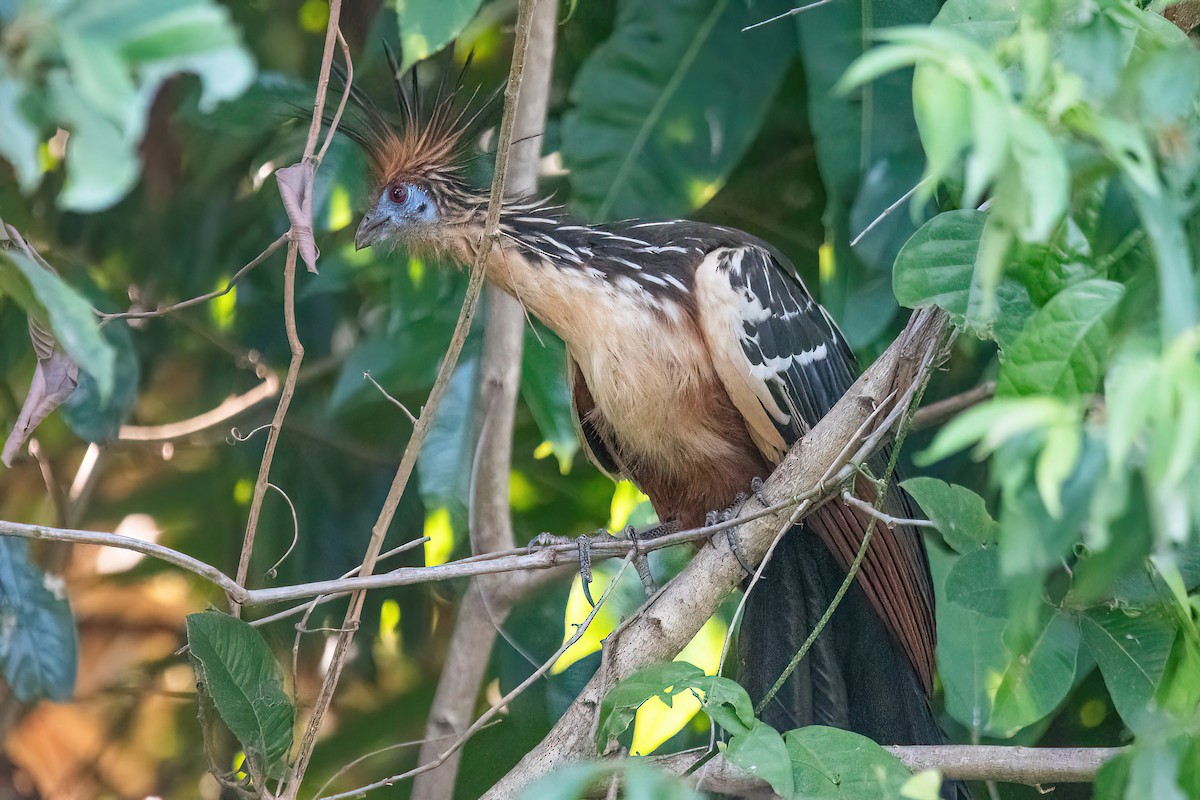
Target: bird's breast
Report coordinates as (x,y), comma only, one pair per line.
(665,412)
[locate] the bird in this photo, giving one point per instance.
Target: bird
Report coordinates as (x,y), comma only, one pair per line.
(696,357)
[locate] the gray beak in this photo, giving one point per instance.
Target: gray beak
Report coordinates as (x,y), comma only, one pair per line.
(370,230)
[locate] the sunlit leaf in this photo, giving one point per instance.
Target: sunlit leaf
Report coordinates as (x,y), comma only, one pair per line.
(426,27)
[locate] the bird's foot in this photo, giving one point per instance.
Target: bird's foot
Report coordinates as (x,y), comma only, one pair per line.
(756,489)
(715,517)
(584,544)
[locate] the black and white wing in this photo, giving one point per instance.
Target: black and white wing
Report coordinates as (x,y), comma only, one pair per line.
(785,364)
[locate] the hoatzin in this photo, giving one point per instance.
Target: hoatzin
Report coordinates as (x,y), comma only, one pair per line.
(696,357)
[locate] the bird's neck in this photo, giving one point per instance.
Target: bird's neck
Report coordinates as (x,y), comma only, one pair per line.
(575,277)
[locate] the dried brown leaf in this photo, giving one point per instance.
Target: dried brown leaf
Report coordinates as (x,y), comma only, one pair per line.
(296,187)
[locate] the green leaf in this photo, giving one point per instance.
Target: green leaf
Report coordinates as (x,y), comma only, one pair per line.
(426,26)
(18,138)
(659,119)
(544,388)
(37,632)
(971,616)
(1179,690)
(869,155)
(445,461)
(762,753)
(92,417)
(237,670)
(1162,218)
(728,704)
(1063,349)
(1131,649)
(1034,539)
(640,782)
(622,701)
(984,22)
(1037,679)
(935,265)
(69,316)
(840,765)
(959,514)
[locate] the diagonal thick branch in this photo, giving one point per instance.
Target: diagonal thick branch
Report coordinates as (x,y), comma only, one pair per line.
(676,613)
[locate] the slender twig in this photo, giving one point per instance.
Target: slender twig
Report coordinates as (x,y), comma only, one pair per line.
(887,519)
(387,396)
(790,13)
(495,708)
(487,602)
(936,413)
(381,751)
(229,408)
(887,212)
(186,562)
(325,598)
(204,298)
(295,530)
(491,229)
(289,306)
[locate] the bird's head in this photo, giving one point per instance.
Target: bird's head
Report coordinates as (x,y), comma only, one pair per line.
(419,196)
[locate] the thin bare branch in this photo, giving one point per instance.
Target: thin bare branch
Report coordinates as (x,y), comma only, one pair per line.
(1033,766)
(936,413)
(204,298)
(502,702)
(289,308)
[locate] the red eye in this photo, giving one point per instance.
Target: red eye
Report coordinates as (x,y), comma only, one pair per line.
(398,193)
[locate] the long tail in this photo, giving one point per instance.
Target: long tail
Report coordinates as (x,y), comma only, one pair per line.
(856,676)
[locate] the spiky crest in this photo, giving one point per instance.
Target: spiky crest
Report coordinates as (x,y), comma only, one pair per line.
(425,146)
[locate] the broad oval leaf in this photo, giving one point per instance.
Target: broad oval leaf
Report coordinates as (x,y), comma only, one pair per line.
(427,27)
(1063,347)
(37,632)
(761,752)
(1131,650)
(959,514)
(237,670)
(660,118)
(838,765)
(936,264)
(1035,681)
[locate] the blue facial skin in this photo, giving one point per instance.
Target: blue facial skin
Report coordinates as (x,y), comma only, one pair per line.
(401,207)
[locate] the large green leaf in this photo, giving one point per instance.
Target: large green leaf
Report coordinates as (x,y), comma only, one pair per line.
(959,514)
(833,764)
(937,266)
(660,118)
(426,26)
(237,671)
(868,152)
(37,634)
(69,315)
(97,67)
(1037,679)
(544,388)
(971,615)
(1131,648)
(1064,346)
